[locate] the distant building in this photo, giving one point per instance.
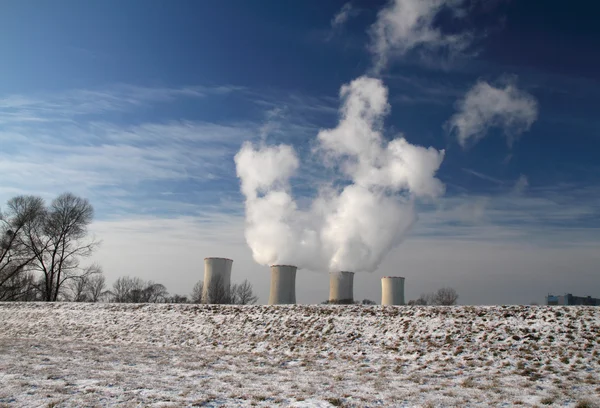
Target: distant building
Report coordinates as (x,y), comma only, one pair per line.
(570,300)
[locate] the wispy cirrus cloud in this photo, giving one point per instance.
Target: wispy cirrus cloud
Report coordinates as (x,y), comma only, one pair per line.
(66,105)
(564,214)
(101,144)
(422,89)
(100,154)
(69,141)
(521,184)
(483,176)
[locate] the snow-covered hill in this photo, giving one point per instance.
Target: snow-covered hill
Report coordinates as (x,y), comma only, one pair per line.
(72,355)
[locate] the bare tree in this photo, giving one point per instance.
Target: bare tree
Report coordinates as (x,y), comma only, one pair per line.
(124,289)
(424,300)
(20,287)
(446,297)
(96,287)
(154,293)
(245,294)
(177,299)
(135,293)
(196,296)
(443,297)
(15,258)
(78,289)
(233,294)
(81,286)
(136,290)
(218,292)
(57,240)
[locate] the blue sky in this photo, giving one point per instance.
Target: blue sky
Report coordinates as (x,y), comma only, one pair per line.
(141,106)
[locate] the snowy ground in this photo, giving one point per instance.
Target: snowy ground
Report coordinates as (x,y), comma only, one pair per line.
(75,355)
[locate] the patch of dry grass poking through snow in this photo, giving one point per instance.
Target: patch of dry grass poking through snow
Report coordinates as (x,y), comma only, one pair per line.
(549,400)
(586,404)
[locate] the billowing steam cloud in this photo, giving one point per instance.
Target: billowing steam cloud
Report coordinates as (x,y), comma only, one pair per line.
(346,228)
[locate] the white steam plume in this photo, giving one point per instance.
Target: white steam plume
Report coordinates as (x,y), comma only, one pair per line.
(346,228)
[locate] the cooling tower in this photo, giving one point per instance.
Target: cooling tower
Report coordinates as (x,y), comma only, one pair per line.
(392,290)
(341,287)
(283,285)
(217,278)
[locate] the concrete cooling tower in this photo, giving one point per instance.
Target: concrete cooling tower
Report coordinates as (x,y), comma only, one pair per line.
(283,285)
(392,290)
(217,278)
(341,287)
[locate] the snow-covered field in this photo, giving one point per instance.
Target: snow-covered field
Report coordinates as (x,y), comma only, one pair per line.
(86,355)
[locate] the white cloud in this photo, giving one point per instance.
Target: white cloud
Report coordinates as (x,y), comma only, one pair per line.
(342,16)
(272,123)
(485,106)
(521,184)
(345,228)
(406,25)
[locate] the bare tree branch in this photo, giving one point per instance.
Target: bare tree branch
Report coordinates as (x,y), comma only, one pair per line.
(58,241)
(446,297)
(218,293)
(196,296)
(96,287)
(136,290)
(15,258)
(245,294)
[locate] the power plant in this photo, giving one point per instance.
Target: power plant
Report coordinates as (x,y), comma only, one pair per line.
(283,285)
(341,287)
(392,290)
(217,279)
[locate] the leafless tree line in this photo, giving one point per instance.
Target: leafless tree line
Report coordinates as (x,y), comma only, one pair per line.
(41,246)
(136,290)
(443,297)
(87,287)
(219,293)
